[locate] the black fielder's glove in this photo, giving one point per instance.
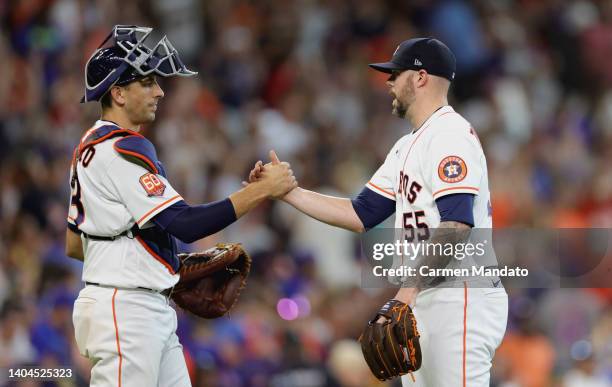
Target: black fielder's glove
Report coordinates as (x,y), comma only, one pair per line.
(391,348)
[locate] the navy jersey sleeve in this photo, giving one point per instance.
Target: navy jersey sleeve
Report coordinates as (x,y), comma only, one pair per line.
(372,208)
(457,207)
(190,223)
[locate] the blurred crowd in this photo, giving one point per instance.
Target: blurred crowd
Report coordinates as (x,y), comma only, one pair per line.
(533,78)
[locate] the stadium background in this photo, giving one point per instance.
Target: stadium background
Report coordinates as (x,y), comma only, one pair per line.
(533,77)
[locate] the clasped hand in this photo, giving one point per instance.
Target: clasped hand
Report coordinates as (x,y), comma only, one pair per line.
(276,176)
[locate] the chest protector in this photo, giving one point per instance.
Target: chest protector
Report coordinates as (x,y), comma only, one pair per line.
(136,149)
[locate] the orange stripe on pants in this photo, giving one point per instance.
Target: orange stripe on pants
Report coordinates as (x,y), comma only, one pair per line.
(117,336)
(465,299)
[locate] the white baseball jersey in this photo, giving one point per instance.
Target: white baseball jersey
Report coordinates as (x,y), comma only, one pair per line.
(442,157)
(113,194)
(459,327)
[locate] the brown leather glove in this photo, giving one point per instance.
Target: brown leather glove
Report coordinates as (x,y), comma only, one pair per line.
(211,281)
(392,348)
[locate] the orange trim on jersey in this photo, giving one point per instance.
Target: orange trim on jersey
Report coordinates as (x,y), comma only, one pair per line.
(455,188)
(381,189)
(157,257)
(73,169)
(465,300)
(117,337)
(156,207)
(112,133)
(88,132)
(120,129)
(137,155)
(74,156)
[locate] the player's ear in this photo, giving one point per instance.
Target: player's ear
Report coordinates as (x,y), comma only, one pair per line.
(118,95)
(421,78)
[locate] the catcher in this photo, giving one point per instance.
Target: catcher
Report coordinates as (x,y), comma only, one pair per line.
(123,219)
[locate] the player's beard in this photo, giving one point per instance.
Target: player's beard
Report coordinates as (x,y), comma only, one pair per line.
(402,102)
(399,108)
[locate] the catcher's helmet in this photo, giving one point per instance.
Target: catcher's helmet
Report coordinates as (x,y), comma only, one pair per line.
(129,59)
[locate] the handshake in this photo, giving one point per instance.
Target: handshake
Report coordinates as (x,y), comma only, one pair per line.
(275,178)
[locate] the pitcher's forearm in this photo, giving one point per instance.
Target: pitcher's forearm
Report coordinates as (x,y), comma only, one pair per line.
(407,295)
(332,210)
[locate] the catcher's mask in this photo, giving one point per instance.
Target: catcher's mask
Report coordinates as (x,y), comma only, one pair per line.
(129,59)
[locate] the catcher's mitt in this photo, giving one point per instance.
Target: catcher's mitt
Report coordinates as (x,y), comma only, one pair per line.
(212,280)
(392,348)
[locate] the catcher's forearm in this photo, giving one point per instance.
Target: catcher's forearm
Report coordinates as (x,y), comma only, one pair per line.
(74,245)
(248,198)
(332,210)
(190,223)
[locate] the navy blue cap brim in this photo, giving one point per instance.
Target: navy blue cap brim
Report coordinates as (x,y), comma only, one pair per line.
(386,67)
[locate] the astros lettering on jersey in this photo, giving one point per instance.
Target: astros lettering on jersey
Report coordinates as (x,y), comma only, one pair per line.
(442,157)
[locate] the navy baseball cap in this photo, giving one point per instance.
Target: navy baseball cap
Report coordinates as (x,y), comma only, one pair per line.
(421,53)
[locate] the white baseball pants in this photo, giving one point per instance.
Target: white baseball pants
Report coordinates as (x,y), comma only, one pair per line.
(460,330)
(130,338)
